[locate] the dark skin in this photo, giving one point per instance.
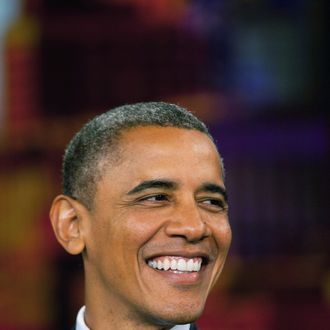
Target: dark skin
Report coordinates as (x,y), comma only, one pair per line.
(165,200)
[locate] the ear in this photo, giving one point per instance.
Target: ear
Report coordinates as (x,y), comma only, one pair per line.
(66,218)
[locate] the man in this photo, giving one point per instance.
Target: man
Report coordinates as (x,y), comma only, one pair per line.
(145,203)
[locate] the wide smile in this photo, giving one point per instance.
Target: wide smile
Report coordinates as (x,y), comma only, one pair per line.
(183,269)
(177,264)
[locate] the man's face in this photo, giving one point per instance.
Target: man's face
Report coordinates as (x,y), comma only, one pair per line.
(158,235)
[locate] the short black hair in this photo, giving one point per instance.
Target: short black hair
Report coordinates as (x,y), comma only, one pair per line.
(96,141)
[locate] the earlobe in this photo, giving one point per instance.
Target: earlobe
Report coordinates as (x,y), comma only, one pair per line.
(67,225)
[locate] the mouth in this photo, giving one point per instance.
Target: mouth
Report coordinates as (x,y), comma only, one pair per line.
(178,264)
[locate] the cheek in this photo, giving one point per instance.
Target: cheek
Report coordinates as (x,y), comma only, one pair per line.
(132,231)
(142,224)
(223,235)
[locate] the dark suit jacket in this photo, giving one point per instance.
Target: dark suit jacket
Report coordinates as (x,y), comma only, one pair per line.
(193,326)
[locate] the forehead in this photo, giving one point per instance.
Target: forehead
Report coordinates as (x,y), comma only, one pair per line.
(152,146)
(164,137)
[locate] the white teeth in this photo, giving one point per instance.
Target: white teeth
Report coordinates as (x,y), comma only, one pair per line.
(190,265)
(166,264)
(152,263)
(173,264)
(176,263)
(181,265)
(196,266)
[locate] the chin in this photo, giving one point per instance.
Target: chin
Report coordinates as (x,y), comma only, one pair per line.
(184,316)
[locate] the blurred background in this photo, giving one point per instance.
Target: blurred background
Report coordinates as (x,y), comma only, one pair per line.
(256,71)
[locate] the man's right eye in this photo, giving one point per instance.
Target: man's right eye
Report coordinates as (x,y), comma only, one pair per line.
(155,198)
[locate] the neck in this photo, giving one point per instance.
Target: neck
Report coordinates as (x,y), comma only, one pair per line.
(108,314)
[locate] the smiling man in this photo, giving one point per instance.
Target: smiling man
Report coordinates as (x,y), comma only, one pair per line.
(145,203)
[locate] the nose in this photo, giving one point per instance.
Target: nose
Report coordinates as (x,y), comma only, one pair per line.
(187,221)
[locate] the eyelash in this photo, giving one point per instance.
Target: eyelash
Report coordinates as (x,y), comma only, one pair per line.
(155,196)
(215,203)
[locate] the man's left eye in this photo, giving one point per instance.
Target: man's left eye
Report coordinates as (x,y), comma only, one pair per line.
(214,203)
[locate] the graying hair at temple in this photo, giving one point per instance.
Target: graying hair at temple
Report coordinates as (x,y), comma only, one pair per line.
(97,142)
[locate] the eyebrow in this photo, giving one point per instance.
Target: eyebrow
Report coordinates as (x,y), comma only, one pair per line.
(149,184)
(214,188)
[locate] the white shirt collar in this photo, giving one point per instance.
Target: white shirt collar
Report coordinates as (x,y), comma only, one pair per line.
(81,325)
